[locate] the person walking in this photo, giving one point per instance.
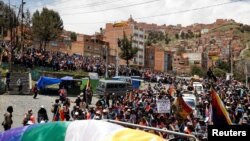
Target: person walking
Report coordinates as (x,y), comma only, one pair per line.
(20,85)
(35,91)
(8,118)
(8,80)
(55,110)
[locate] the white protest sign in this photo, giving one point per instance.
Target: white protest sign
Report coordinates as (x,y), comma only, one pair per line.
(163,106)
(93,75)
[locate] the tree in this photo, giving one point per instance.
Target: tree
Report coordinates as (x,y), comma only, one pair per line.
(47,26)
(190,34)
(73,36)
(7,22)
(167,39)
(27,31)
(182,35)
(186,36)
(195,70)
(7,18)
(177,36)
(222,65)
(128,51)
(219,72)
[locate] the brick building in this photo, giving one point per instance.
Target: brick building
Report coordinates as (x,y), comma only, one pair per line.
(157,59)
(113,32)
(88,45)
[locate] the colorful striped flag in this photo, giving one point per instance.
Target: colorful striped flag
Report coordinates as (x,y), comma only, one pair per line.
(82,130)
(181,108)
(219,113)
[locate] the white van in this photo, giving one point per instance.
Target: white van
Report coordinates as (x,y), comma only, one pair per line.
(198,87)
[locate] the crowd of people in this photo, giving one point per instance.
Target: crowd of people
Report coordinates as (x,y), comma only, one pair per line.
(55,60)
(140,107)
(137,106)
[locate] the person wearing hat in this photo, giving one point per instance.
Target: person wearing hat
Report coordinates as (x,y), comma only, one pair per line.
(42,114)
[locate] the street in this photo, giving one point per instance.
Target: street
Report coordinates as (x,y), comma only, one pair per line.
(22,103)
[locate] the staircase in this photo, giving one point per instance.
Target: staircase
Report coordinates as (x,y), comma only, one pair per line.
(24,77)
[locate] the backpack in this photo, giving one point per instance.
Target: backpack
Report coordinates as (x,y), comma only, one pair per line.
(52,109)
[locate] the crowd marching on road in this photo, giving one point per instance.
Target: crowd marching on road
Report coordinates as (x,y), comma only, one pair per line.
(140,107)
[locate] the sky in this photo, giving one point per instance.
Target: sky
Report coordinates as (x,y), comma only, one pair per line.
(88,16)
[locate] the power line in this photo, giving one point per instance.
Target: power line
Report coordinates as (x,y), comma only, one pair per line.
(89,5)
(189,10)
(142,3)
(53,2)
(172,13)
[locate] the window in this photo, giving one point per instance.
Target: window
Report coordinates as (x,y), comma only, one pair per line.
(111,86)
(86,40)
(88,47)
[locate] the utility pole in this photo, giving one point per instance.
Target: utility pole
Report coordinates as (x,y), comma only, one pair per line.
(10,20)
(246,70)
(117,63)
(230,57)
(246,73)
(22,44)
(106,68)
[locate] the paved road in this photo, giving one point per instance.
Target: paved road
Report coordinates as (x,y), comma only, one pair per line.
(22,103)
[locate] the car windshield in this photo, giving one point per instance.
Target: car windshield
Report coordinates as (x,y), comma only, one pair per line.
(198,88)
